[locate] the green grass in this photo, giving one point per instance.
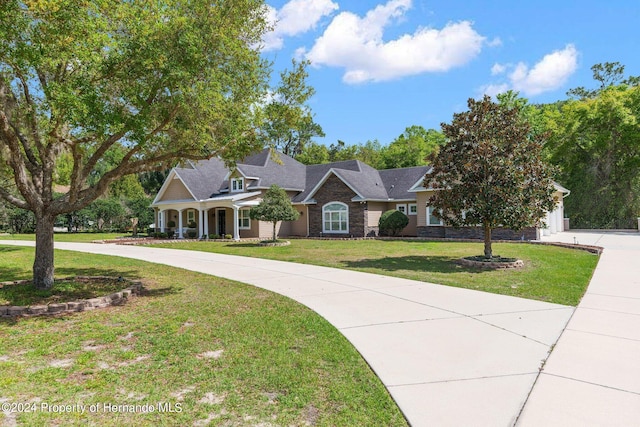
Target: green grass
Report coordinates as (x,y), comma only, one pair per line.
(61,291)
(551,274)
(279,363)
(67,237)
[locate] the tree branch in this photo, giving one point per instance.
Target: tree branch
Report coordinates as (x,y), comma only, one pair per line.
(5,195)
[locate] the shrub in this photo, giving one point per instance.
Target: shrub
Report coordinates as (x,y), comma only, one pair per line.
(392,222)
(192,234)
(170,234)
(214,236)
(171,223)
(193,224)
(228,236)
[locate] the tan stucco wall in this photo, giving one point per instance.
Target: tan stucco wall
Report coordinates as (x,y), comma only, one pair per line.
(299,226)
(266,229)
(422,198)
(375,211)
(176,191)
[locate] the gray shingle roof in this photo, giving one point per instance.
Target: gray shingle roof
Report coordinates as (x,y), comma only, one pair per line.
(397,182)
(206,178)
(284,172)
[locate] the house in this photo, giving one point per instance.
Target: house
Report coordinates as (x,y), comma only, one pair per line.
(340,199)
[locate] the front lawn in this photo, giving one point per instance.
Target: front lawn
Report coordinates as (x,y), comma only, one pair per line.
(210,350)
(67,237)
(551,274)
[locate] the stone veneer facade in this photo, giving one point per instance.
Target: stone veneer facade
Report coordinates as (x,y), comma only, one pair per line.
(334,190)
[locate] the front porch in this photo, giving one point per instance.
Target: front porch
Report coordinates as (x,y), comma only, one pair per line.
(222,216)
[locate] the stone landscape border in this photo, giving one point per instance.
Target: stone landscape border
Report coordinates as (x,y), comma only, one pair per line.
(490,265)
(272,243)
(115,298)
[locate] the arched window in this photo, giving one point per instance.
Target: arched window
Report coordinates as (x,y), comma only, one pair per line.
(335,218)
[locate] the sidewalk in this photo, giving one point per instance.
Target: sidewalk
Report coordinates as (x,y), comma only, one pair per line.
(592,378)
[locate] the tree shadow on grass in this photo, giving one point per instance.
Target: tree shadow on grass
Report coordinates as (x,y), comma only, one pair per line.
(10,274)
(436,264)
(159,292)
(92,271)
(241,245)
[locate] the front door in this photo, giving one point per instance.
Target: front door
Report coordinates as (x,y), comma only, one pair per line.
(222,221)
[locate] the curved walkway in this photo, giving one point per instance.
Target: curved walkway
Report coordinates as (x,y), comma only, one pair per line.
(448,356)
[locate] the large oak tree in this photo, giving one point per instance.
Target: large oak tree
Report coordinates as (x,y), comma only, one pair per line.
(490,171)
(146,81)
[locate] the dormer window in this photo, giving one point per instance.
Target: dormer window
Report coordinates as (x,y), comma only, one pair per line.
(237,184)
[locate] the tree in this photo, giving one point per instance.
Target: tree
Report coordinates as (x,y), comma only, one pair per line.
(289,124)
(341,151)
(595,142)
(313,154)
(274,207)
(490,171)
(106,211)
(606,74)
(140,83)
(412,147)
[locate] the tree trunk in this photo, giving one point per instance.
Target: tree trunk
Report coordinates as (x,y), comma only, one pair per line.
(274,230)
(487,242)
(43,264)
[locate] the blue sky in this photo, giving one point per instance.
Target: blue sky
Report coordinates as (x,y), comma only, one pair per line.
(381,66)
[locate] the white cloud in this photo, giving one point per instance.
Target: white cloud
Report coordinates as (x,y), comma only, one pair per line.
(494,89)
(295,17)
(498,69)
(550,73)
(356,44)
(497,41)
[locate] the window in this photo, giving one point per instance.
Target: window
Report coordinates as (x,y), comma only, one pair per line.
(191,216)
(244,221)
(431,219)
(237,184)
(413,209)
(335,217)
(402,208)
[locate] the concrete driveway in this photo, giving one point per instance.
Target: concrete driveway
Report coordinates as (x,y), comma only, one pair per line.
(457,357)
(593,375)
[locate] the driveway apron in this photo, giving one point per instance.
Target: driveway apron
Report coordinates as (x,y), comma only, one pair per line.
(593,375)
(448,356)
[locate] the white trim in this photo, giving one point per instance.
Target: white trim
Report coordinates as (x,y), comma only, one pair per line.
(240,227)
(191,211)
(402,207)
(239,188)
(236,228)
(325,178)
(412,205)
(429,216)
(324,230)
(418,186)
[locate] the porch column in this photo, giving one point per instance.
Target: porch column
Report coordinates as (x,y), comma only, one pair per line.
(200,223)
(180,235)
(163,220)
(236,227)
(560,219)
(206,223)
